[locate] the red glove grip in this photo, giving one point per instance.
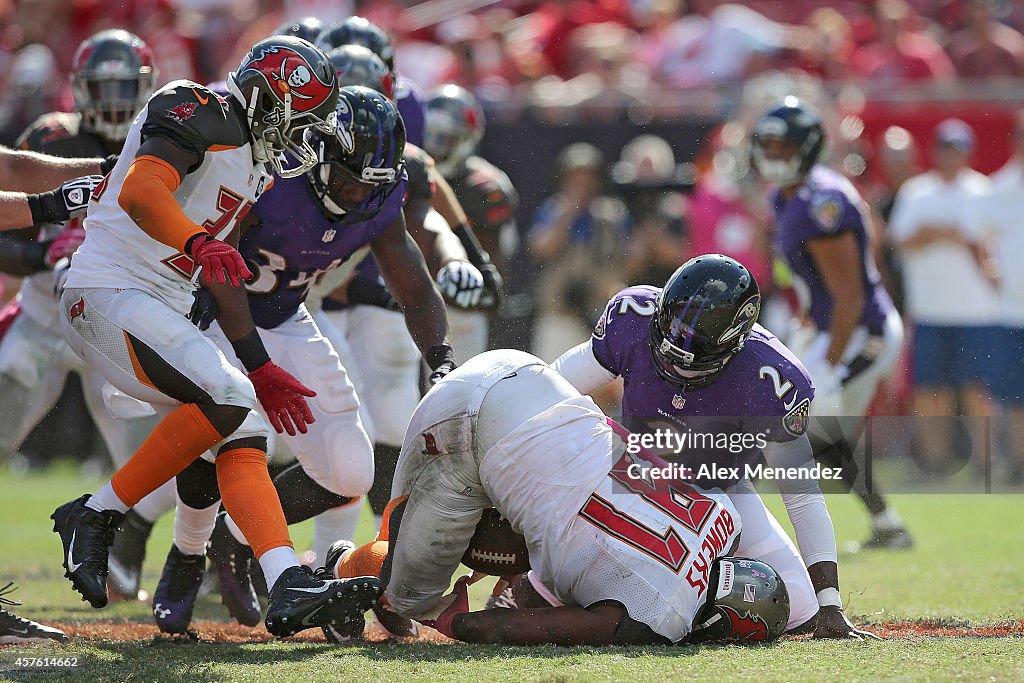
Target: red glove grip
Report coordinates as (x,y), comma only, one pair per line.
(64,244)
(460,605)
(282,397)
(216,258)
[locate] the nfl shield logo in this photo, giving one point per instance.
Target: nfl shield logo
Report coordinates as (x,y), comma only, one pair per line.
(678,401)
(329,235)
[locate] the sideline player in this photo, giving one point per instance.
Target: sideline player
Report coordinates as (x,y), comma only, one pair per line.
(624,559)
(192,165)
(822,230)
(298,231)
(693,358)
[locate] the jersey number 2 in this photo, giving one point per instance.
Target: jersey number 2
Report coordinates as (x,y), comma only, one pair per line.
(680,501)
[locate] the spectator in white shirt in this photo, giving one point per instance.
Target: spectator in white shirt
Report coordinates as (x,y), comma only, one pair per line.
(950,300)
(1000,218)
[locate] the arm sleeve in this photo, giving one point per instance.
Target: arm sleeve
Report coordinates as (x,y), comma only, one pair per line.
(147,196)
(804,501)
(581,368)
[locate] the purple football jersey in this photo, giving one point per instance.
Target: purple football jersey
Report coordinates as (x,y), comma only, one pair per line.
(827,204)
(294,244)
(763,391)
(413,109)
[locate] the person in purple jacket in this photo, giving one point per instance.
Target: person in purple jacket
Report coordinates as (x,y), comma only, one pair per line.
(695,362)
(299,229)
(822,231)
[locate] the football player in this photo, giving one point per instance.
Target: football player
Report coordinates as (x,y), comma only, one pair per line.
(193,164)
(298,231)
(365,325)
(624,557)
(455,127)
(113,75)
(822,230)
(693,357)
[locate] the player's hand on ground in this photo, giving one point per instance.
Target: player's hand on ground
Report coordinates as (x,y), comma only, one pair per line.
(283,398)
(833,623)
(64,245)
(461,283)
(459,605)
(218,258)
(204,309)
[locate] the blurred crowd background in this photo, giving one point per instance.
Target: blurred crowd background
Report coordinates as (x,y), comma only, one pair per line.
(625,122)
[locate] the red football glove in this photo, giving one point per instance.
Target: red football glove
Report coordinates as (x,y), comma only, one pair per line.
(64,244)
(460,605)
(281,395)
(218,257)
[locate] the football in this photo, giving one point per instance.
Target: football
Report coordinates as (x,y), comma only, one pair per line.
(495,548)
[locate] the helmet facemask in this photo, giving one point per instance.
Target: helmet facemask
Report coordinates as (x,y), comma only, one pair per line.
(778,172)
(680,367)
(345,196)
(279,135)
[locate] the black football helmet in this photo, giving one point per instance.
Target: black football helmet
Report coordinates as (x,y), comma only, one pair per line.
(703,316)
(286,86)
(112,77)
(794,122)
(307,28)
(455,126)
(747,602)
(358,65)
(358,166)
(359,31)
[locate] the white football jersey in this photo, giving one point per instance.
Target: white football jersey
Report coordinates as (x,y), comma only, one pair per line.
(216,195)
(557,468)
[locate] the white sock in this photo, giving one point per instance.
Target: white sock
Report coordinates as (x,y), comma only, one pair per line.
(334,525)
(887,519)
(192,527)
(275,561)
(156,504)
(105,499)
(235,531)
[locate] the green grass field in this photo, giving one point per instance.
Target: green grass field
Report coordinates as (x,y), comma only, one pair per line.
(965,571)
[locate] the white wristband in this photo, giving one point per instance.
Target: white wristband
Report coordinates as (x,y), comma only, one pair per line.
(829,597)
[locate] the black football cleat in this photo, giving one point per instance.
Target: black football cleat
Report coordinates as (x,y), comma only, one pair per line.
(86,535)
(124,565)
(352,631)
(176,594)
(15,629)
(300,600)
(233,562)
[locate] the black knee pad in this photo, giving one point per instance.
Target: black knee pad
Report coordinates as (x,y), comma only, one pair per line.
(385,462)
(301,497)
(197,485)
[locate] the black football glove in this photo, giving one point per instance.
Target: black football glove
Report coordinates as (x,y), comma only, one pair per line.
(441,359)
(204,309)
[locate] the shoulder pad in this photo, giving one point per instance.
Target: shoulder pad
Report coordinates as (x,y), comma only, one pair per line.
(193,117)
